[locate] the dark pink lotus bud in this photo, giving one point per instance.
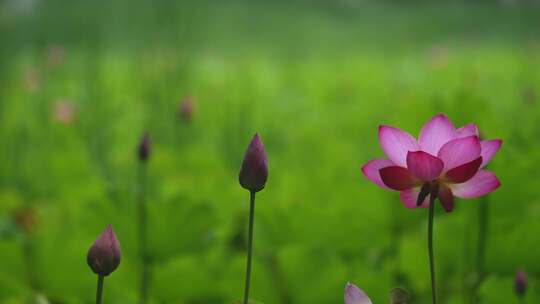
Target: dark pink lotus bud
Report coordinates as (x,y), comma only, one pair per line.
(521,282)
(186,109)
(254,172)
(104,255)
(145,148)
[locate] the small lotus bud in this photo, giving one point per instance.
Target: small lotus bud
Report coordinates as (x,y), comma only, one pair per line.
(521,282)
(254,172)
(399,296)
(104,255)
(186,109)
(145,148)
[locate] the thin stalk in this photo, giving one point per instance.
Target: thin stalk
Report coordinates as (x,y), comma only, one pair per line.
(394,248)
(430,247)
(483,211)
(250,244)
(280,283)
(99,293)
(29,258)
(142,216)
(479,271)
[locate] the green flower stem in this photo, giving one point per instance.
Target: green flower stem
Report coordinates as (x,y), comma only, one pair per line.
(483,225)
(29,259)
(142,234)
(250,245)
(99,293)
(430,246)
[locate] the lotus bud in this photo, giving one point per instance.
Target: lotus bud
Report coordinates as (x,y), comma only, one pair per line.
(186,109)
(399,296)
(521,283)
(145,148)
(254,172)
(104,255)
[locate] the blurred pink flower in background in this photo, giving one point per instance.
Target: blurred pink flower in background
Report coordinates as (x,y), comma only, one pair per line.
(32,79)
(64,111)
(444,162)
(55,55)
(438,56)
(355,295)
(186,109)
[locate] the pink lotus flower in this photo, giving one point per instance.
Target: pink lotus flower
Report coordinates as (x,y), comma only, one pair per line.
(355,295)
(444,162)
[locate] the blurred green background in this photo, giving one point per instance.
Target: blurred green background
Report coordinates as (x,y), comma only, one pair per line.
(81,81)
